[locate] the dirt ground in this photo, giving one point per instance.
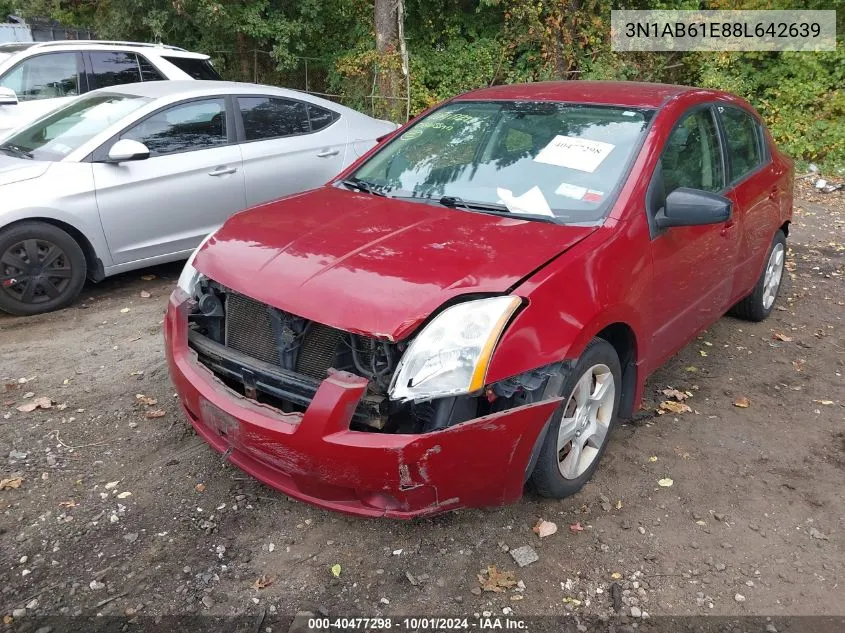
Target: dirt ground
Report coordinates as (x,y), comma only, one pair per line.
(123,514)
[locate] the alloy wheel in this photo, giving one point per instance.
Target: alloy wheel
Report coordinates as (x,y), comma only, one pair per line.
(34,271)
(774,273)
(586,421)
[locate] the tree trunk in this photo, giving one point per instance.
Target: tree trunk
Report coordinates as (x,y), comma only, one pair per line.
(389,83)
(245,60)
(387,25)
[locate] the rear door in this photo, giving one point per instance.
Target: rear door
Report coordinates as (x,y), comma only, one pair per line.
(754,191)
(114,68)
(191,183)
(693,265)
(287,145)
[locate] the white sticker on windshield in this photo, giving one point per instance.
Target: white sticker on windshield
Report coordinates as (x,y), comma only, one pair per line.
(571,191)
(575,153)
(532,201)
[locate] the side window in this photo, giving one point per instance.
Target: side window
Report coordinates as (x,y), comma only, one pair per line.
(691,157)
(744,143)
(266,117)
(148,71)
(44,77)
(184,127)
(320,117)
(195,68)
(114,68)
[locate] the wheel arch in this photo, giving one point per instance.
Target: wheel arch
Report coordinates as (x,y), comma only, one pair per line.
(93,263)
(622,337)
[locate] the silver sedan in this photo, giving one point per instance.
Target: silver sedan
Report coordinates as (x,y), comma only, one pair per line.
(136,175)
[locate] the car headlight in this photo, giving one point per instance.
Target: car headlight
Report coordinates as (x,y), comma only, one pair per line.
(190,276)
(451,354)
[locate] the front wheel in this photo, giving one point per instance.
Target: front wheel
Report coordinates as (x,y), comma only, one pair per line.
(579,431)
(42,268)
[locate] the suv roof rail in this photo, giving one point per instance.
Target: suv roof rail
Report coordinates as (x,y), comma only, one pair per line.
(108,43)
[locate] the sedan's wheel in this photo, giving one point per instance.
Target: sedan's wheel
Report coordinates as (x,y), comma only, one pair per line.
(579,430)
(759,304)
(42,268)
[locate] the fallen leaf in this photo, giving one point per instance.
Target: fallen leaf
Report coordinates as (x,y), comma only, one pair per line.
(112,484)
(619,504)
(665,482)
(124,495)
(653,458)
(798,365)
(124,310)
(680,396)
(10,386)
(265,581)
(780,336)
(148,277)
(145,400)
(823,401)
(742,403)
(336,570)
(68,504)
(199,487)
(544,528)
(495,580)
(156,413)
(692,369)
(145,295)
(576,527)
(675,407)
(701,352)
(43,403)
(616,575)
(11,483)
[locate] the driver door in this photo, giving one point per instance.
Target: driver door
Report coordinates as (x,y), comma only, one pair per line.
(693,265)
(191,183)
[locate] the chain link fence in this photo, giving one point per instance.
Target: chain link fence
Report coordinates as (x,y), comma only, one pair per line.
(369,89)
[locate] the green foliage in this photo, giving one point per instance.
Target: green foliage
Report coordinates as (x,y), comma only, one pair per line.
(459,45)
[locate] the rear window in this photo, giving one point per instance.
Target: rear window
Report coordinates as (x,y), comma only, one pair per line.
(196,68)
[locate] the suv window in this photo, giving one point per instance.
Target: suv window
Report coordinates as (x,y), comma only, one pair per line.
(196,68)
(691,157)
(114,68)
(184,127)
(44,77)
(743,139)
(266,117)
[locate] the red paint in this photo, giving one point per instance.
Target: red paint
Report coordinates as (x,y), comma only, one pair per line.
(377,266)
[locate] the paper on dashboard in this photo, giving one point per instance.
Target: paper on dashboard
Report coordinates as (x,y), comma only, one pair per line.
(532,201)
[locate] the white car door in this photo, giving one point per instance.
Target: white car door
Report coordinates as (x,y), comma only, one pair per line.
(289,146)
(191,183)
(42,83)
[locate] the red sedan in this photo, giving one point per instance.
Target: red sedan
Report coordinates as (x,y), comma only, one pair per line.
(472,306)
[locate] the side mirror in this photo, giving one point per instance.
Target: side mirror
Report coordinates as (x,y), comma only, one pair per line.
(126,149)
(8,97)
(692,207)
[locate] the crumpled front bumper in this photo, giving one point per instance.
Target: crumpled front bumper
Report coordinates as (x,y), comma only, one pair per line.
(315,457)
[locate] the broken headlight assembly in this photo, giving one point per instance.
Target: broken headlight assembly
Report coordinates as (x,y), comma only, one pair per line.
(451,354)
(190,277)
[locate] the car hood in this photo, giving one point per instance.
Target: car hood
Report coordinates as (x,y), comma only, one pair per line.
(19,169)
(374,265)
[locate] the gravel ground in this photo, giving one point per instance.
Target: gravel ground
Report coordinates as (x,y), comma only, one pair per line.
(122,511)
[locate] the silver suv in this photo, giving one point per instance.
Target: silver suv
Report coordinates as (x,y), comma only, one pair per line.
(37,77)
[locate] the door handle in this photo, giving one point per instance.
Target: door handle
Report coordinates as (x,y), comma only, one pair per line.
(328,152)
(222,171)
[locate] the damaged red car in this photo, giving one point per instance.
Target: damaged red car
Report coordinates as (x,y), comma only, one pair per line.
(470,308)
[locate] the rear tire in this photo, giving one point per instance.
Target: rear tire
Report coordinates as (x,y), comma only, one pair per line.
(580,428)
(760,303)
(42,269)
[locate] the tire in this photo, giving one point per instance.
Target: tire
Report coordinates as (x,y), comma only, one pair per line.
(55,278)
(592,423)
(760,303)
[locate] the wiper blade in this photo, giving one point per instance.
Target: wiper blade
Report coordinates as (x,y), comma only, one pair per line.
(362,185)
(15,150)
(455,202)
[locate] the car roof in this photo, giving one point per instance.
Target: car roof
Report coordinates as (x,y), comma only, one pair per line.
(623,93)
(186,88)
(141,47)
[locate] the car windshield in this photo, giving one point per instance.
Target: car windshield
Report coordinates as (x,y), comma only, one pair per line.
(58,134)
(555,161)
